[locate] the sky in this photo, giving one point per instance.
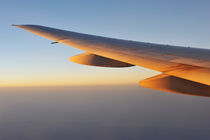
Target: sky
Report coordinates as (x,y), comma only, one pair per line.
(29,60)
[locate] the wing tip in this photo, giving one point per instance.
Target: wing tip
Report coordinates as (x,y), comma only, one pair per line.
(16,25)
(24,25)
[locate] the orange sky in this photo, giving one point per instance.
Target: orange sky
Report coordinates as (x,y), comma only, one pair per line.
(88,76)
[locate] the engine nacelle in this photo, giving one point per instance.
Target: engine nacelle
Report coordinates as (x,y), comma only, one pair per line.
(174,84)
(96,60)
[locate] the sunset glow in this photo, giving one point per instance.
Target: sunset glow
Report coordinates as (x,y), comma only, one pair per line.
(116,76)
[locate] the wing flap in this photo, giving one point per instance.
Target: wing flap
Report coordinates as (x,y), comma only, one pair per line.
(193,73)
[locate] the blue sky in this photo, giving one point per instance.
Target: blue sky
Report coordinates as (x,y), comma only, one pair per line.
(28,59)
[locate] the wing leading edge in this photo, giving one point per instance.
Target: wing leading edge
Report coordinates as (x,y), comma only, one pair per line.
(191,64)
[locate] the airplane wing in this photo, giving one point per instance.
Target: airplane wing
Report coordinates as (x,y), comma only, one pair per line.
(184,70)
